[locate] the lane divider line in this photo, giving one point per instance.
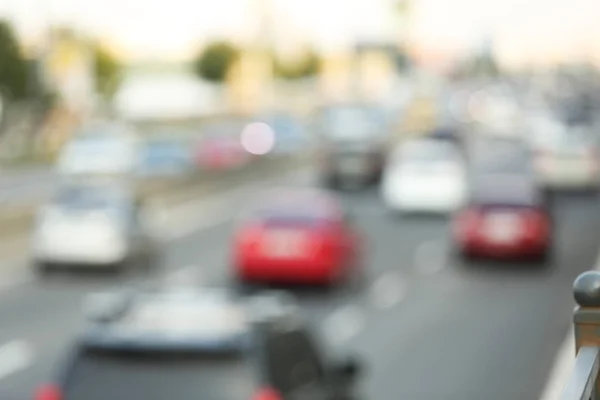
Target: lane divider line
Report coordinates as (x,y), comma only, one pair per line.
(388,290)
(344,324)
(15,356)
(430,257)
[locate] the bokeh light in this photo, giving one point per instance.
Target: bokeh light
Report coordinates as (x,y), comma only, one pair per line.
(258,138)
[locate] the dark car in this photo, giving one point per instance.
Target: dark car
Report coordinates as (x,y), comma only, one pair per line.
(354,138)
(507,215)
(198,344)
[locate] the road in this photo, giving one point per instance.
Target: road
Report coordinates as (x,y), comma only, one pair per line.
(426,326)
(27,185)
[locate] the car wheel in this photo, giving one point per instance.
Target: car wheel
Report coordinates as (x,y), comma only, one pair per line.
(244,287)
(42,269)
(460,258)
(546,258)
(357,280)
(151,261)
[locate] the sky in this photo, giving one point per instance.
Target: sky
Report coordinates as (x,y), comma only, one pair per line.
(524,30)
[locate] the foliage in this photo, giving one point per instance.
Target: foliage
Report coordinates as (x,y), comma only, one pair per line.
(214,62)
(308,66)
(13,68)
(108,71)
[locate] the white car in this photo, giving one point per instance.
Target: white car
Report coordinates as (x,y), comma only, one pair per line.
(425,176)
(87,226)
(567,158)
(106,149)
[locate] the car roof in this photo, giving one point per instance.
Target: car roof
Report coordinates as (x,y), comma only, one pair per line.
(504,189)
(169,319)
(299,201)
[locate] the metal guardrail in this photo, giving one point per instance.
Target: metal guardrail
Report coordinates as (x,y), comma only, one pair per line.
(583,383)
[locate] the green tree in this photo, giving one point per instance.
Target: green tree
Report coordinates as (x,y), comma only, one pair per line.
(215,60)
(308,66)
(108,71)
(13,66)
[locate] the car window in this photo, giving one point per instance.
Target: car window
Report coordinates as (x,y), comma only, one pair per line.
(293,361)
(426,153)
(102,376)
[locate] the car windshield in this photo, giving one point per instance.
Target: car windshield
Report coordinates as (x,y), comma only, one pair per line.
(102,376)
(292,214)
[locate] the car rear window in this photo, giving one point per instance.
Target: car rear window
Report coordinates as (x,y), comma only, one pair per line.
(296,217)
(498,157)
(87,198)
(102,376)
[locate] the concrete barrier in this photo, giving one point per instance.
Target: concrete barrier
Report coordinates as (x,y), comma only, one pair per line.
(16,220)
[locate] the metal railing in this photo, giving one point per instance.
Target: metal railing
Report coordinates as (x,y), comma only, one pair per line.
(583,383)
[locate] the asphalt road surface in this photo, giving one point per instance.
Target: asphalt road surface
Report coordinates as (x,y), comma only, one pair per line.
(26,185)
(427,327)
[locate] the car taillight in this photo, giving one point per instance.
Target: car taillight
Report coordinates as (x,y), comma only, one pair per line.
(249,236)
(536,222)
(267,394)
(466,223)
(48,392)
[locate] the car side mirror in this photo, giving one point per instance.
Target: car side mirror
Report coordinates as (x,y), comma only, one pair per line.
(348,369)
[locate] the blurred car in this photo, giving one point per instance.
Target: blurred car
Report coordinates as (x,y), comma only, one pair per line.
(165,156)
(220,146)
(567,158)
(92,226)
(108,149)
(204,343)
(507,214)
(291,137)
(355,138)
(297,237)
(424,175)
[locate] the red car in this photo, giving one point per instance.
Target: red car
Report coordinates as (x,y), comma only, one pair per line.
(297,237)
(505,221)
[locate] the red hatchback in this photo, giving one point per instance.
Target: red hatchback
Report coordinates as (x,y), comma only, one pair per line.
(300,237)
(503,231)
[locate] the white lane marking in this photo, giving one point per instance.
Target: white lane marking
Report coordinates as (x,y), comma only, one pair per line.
(14,357)
(388,290)
(191,274)
(561,369)
(430,257)
(344,324)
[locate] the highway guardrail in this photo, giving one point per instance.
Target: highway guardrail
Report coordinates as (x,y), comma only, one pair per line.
(583,383)
(18,219)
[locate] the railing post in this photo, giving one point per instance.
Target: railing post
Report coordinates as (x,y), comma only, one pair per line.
(586,317)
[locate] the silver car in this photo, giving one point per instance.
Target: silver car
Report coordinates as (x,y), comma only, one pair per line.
(92,227)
